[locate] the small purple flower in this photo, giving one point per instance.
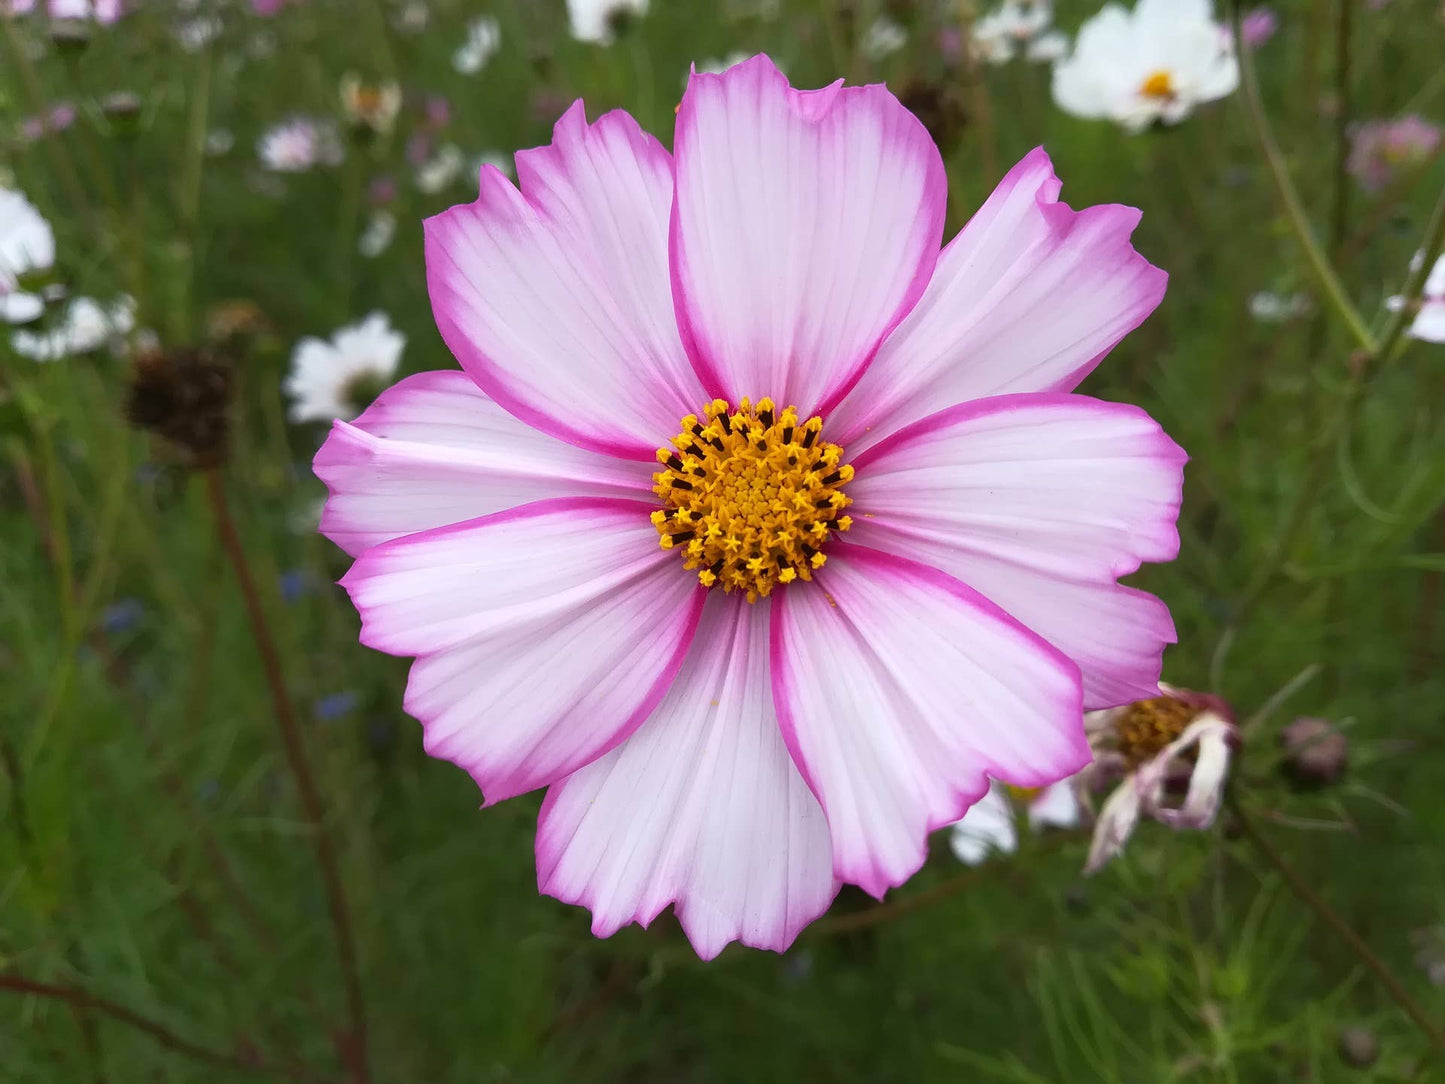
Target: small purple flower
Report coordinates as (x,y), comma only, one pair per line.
(418,148)
(438,111)
(56,119)
(122,616)
(1258,27)
(335,705)
(1379,149)
(383,190)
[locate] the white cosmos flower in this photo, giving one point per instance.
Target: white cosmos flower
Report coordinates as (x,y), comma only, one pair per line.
(298,143)
(1019,26)
(1269,307)
(26,244)
(338,379)
(440,170)
(593,20)
(1155,63)
(882,38)
(85,326)
(990,824)
(484,38)
(1429,322)
(377,236)
(1154,741)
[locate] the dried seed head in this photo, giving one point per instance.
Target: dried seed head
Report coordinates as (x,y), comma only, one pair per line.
(183,396)
(1315,752)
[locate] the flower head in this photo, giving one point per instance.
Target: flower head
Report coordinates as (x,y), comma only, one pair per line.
(990,825)
(1429,321)
(1019,27)
(1180,740)
(484,38)
(615,542)
(1258,26)
(1154,64)
(337,379)
(102,11)
(370,106)
(299,143)
(599,20)
(1380,149)
(27,247)
(82,326)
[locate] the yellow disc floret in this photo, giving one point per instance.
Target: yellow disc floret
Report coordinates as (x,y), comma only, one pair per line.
(750,496)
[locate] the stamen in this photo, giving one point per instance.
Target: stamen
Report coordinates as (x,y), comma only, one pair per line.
(750,496)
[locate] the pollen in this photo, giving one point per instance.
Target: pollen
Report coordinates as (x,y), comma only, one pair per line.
(750,496)
(1160,84)
(1147,726)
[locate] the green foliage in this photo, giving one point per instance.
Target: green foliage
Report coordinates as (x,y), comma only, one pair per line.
(153,850)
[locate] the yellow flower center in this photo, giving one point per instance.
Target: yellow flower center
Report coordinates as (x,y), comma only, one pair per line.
(750,496)
(1023,795)
(1159,85)
(1147,726)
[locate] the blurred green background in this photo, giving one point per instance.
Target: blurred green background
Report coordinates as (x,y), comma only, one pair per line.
(153,849)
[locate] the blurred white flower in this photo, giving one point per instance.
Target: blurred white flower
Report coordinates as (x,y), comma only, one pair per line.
(1177,741)
(596,20)
(85,326)
(1019,26)
(882,38)
(195,34)
(484,38)
(714,66)
(497,159)
(338,379)
(1269,307)
(102,11)
(990,823)
(219,141)
(298,143)
(1155,63)
(1429,322)
(411,18)
(370,105)
(377,236)
(441,170)
(27,244)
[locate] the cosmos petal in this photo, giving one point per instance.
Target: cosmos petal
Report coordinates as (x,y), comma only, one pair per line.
(900,691)
(557,298)
(701,807)
(544,635)
(1039,502)
(434,449)
(806,226)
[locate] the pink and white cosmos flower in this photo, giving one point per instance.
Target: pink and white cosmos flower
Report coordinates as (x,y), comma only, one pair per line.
(739,753)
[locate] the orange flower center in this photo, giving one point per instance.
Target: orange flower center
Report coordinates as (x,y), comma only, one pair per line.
(1147,726)
(1159,85)
(750,496)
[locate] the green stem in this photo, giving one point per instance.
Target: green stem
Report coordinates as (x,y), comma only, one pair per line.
(1339,927)
(1329,282)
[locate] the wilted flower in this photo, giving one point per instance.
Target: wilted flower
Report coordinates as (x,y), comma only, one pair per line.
(1154,64)
(371,106)
(375,239)
(299,143)
(598,20)
(484,38)
(1379,149)
(1178,741)
(1429,322)
(27,247)
(735,708)
(1019,27)
(184,397)
(441,170)
(337,379)
(991,824)
(83,326)
(883,38)
(1316,752)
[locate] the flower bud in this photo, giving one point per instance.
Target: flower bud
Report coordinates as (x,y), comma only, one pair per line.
(1315,752)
